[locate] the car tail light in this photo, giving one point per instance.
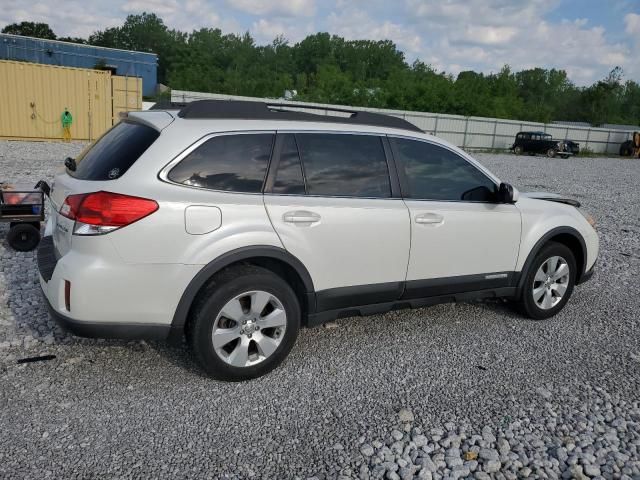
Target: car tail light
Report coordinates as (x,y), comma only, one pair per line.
(102,212)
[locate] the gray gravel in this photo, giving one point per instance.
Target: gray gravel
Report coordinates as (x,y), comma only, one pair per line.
(453,391)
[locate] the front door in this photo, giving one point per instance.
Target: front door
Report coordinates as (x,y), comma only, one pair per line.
(461,238)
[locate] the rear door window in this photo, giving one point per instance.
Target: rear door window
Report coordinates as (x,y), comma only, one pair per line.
(113,154)
(289,179)
(344,165)
(236,163)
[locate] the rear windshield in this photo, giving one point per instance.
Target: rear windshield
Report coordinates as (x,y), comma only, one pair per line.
(114,153)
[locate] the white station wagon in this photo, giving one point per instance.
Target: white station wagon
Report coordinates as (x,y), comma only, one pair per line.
(237,223)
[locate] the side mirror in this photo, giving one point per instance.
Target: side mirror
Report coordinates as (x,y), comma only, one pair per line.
(507,193)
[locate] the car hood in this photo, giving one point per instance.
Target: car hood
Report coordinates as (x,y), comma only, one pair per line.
(552,197)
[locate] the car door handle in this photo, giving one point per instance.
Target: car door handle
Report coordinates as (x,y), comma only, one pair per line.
(301,216)
(429,219)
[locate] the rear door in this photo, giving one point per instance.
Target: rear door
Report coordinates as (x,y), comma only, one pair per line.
(330,199)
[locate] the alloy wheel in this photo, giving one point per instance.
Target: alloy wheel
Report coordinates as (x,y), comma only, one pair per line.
(249,328)
(551,282)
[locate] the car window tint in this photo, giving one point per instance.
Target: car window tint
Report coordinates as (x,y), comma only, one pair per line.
(114,153)
(289,178)
(235,163)
(436,173)
(344,165)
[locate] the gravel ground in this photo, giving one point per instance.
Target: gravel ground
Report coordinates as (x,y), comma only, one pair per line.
(453,391)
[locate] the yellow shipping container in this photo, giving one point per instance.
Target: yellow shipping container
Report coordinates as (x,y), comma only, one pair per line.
(34,96)
(126,94)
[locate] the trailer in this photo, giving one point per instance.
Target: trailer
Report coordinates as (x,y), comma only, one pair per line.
(23,208)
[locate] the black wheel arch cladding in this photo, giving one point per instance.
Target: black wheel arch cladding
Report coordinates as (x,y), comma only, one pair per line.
(567,236)
(238,255)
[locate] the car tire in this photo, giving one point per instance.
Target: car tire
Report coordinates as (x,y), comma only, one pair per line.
(549,282)
(551,152)
(23,237)
(244,324)
(626,148)
(518,150)
(564,156)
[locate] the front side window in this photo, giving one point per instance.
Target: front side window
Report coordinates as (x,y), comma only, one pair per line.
(236,163)
(436,173)
(344,165)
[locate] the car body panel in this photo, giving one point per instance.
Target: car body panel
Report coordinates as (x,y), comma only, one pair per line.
(355,241)
(140,273)
(472,238)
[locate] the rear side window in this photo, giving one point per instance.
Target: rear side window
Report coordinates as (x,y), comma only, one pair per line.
(236,163)
(289,179)
(344,165)
(114,153)
(435,173)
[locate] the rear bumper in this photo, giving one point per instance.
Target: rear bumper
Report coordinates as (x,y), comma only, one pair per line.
(109,298)
(128,331)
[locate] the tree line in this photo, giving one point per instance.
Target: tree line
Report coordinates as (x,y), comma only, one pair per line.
(329,69)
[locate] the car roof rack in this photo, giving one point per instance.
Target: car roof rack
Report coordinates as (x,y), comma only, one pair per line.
(167,105)
(247,110)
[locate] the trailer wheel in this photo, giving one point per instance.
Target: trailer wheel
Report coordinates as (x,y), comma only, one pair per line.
(36,225)
(23,237)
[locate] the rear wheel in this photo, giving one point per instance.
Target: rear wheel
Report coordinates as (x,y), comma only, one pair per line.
(549,282)
(244,324)
(23,237)
(518,150)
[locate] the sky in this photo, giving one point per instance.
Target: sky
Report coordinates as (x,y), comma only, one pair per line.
(587,38)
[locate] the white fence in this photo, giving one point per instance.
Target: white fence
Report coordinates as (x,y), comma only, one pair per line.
(466,132)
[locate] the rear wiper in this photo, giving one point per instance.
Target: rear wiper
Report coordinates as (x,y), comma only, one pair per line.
(44,187)
(70,163)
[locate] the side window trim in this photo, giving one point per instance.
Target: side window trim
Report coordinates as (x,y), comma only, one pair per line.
(392,171)
(274,164)
(404,182)
(163,175)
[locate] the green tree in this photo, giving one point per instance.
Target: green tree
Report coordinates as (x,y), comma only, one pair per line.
(374,73)
(145,32)
(82,41)
(30,29)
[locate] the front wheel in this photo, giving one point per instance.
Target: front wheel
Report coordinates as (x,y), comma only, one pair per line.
(244,324)
(551,152)
(549,282)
